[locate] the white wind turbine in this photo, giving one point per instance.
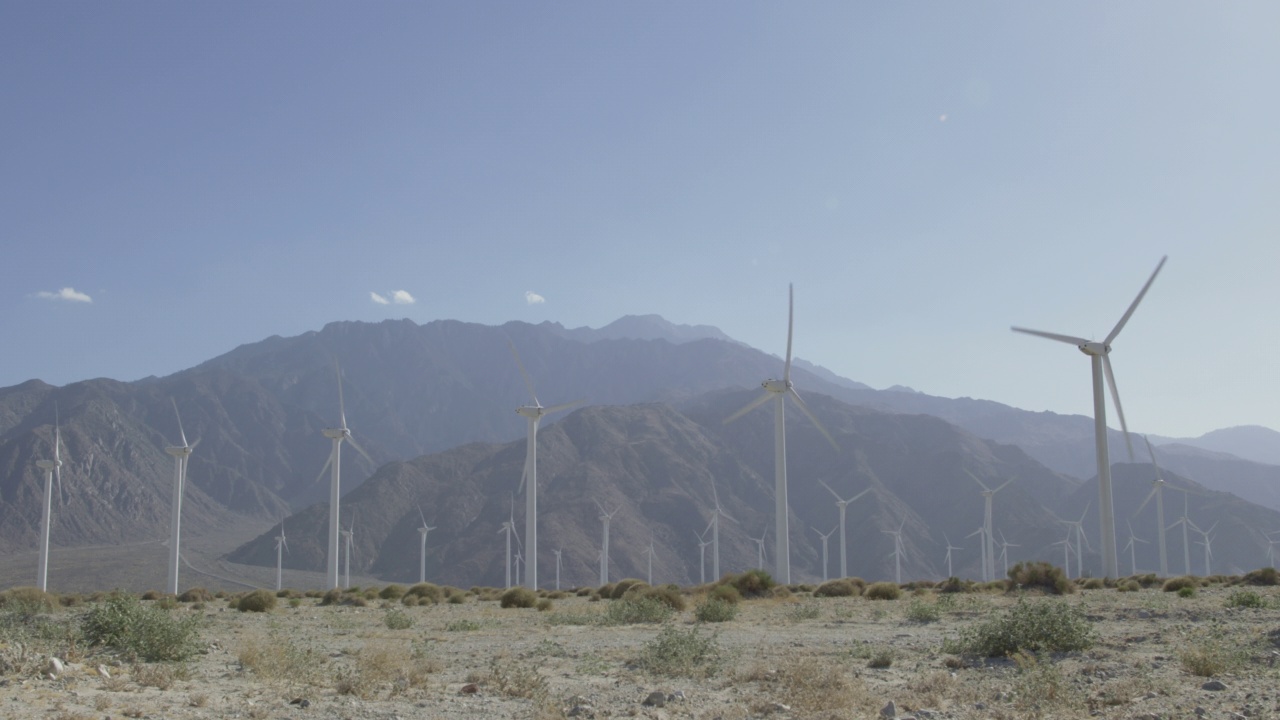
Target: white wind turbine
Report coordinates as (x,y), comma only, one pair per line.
(1004,553)
(1078,527)
(509,527)
(52,469)
(334,464)
(988,534)
(519,560)
(1100,358)
(1184,521)
(1133,549)
(778,390)
(760,547)
(1208,550)
(1157,491)
(824,549)
(715,533)
(702,555)
(950,547)
(181,454)
(348,536)
(605,517)
(558,553)
(650,579)
(1271,549)
(842,505)
(282,546)
(897,550)
(981,532)
(422,555)
(533,414)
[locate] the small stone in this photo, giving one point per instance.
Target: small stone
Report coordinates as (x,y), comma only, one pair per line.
(1214,685)
(468,689)
(889,710)
(979,706)
(1199,711)
(54,668)
(583,711)
(677,695)
(301,702)
(103,672)
(657,698)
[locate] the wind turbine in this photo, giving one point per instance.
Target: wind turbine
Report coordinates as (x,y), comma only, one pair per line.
(517,565)
(760,548)
(558,553)
(981,532)
(1133,549)
(1004,552)
(897,550)
(824,548)
(1208,550)
(842,505)
(334,463)
(422,561)
(533,414)
(348,536)
(1157,491)
(180,456)
(650,580)
(702,555)
(605,517)
(282,546)
(1271,550)
(1100,359)
(52,469)
(1184,521)
(950,547)
(1078,527)
(988,544)
(715,533)
(1066,553)
(778,390)
(509,527)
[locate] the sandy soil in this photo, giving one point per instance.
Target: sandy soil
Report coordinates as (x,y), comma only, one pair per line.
(799,657)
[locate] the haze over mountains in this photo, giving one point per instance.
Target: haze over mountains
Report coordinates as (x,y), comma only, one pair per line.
(433,404)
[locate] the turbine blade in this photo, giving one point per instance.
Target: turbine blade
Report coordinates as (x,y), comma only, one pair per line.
(528,382)
(327,463)
(864,492)
(421,517)
(817,423)
(524,475)
(975,479)
(360,450)
(178,415)
(1134,305)
(833,492)
(750,406)
(342,405)
(563,406)
(791,313)
(57,475)
(1151,451)
(1005,485)
(1115,397)
(1069,339)
(1146,500)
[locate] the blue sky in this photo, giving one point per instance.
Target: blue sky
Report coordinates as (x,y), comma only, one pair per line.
(927,175)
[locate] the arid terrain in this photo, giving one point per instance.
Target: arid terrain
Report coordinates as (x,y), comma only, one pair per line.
(1150,654)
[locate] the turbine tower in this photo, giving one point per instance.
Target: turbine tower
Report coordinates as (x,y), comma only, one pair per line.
(981,532)
(824,549)
(52,469)
(558,553)
(533,414)
(1184,521)
(988,534)
(842,505)
(715,533)
(180,454)
(897,550)
(282,546)
(1133,549)
(422,555)
(334,464)
(605,517)
(702,555)
(348,535)
(1066,553)
(778,390)
(1100,359)
(1208,550)
(950,547)
(509,527)
(760,547)
(1157,491)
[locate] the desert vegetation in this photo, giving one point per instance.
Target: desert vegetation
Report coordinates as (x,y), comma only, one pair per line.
(741,647)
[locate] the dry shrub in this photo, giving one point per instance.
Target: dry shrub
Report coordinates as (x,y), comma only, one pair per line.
(519,597)
(424,593)
(669,595)
(751,584)
(515,678)
(883,591)
(1040,690)
(28,601)
(1040,575)
(152,595)
(158,676)
(392,592)
(620,588)
(1094,584)
(1178,583)
(1262,576)
(279,658)
(844,587)
(383,666)
(817,686)
(725,593)
(257,601)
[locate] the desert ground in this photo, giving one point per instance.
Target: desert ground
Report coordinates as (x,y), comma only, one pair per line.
(1209,653)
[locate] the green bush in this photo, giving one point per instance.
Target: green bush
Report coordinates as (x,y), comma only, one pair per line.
(1129,585)
(923,612)
(636,609)
(1048,625)
(544,604)
(1186,592)
(1094,584)
(677,653)
(392,592)
(1178,583)
(727,593)
(883,591)
(27,602)
(257,601)
(1040,575)
(1245,599)
(397,619)
(518,597)
(124,624)
(844,587)
(425,592)
(752,583)
(714,610)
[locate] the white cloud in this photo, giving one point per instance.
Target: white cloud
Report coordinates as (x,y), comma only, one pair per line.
(402,297)
(378,298)
(66,293)
(533,298)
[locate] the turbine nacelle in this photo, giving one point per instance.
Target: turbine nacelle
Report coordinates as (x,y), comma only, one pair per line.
(776,386)
(1093,349)
(182,452)
(47,464)
(336,433)
(533,412)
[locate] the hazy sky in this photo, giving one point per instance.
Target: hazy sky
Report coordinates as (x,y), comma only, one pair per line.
(177,179)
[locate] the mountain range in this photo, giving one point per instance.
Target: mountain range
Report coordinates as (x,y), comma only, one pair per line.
(433,405)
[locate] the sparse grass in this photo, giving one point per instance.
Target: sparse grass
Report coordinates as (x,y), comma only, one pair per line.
(397,619)
(516,678)
(1186,592)
(1041,690)
(1210,655)
(636,609)
(920,611)
(804,611)
(382,667)
(681,653)
(463,625)
(1047,625)
(819,689)
(881,658)
(279,658)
